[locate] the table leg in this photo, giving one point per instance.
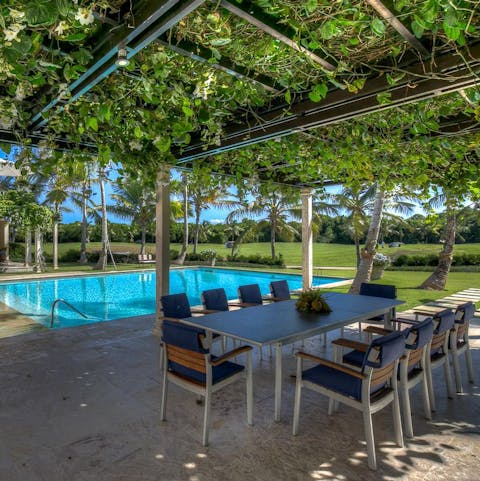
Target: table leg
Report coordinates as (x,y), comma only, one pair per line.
(278,381)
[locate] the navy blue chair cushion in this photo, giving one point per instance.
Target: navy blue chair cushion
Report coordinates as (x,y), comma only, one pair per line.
(250,294)
(445,321)
(176,305)
(280,289)
(215,299)
(335,380)
(385,350)
(354,357)
(423,332)
(464,312)
(378,290)
(181,335)
(219,373)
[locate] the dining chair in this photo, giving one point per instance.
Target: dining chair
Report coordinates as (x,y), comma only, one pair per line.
(377,290)
(368,389)
(279,291)
(250,295)
(459,342)
(412,368)
(190,366)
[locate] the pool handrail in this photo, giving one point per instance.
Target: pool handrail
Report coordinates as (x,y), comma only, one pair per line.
(56,301)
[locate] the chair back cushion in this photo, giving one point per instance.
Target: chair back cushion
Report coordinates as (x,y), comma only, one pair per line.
(464,312)
(215,299)
(176,305)
(280,289)
(444,321)
(250,294)
(180,335)
(420,334)
(378,290)
(384,350)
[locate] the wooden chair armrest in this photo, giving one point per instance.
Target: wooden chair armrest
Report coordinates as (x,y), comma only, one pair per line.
(228,355)
(377,330)
(242,304)
(334,365)
(403,320)
(201,311)
(359,346)
(165,318)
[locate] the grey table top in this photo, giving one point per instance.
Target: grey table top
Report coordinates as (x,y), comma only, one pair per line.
(282,322)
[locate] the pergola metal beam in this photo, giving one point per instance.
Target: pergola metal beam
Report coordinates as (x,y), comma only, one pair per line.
(202,54)
(267,23)
(393,21)
(154,20)
(448,75)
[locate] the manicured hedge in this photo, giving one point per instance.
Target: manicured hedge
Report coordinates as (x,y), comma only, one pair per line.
(432,260)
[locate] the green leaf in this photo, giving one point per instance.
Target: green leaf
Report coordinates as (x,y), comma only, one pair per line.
(92,123)
(384,98)
(451,32)
(137,131)
(2,21)
(417,29)
(451,18)
(329,29)
(75,37)
(311,5)
(40,12)
(318,92)
(162,143)
(82,55)
(63,7)
(288,97)
(187,110)
(220,41)
(378,27)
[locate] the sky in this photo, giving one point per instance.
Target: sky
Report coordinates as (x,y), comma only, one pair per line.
(210,214)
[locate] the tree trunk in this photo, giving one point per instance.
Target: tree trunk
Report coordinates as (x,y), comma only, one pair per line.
(83,241)
(438,279)
(357,249)
(102,260)
(38,251)
(181,258)
(197,229)
(55,244)
(28,248)
(364,270)
(273,229)
(143,239)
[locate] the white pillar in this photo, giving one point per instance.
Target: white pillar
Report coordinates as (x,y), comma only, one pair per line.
(38,251)
(307,238)
(162,238)
(55,245)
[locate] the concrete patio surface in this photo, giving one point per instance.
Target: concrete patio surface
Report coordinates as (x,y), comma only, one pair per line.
(83,404)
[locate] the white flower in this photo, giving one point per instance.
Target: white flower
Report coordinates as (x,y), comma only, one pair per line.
(12,31)
(61,27)
(16,14)
(20,93)
(84,16)
(135,145)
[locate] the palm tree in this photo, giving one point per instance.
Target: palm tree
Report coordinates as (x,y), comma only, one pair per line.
(277,205)
(206,191)
(357,202)
(135,200)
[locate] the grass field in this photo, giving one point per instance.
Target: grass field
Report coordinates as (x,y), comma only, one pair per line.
(328,255)
(339,255)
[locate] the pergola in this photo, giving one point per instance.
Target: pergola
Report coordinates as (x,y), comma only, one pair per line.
(311,63)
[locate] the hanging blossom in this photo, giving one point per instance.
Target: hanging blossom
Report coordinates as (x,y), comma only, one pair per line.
(84,16)
(12,32)
(20,93)
(61,27)
(16,14)
(135,145)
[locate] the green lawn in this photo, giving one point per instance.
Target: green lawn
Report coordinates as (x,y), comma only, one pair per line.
(340,255)
(325,255)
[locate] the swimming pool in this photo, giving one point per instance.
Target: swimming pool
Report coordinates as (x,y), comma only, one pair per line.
(113,296)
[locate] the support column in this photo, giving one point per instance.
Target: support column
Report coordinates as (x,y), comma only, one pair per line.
(4,241)
(38,251)
(162,239)
(307,238)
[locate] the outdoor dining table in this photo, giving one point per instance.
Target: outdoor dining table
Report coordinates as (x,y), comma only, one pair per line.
(280,323)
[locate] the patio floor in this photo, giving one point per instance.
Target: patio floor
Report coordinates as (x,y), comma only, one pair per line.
(82,404)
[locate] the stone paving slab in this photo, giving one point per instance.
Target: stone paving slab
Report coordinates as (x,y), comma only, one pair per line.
(83,404)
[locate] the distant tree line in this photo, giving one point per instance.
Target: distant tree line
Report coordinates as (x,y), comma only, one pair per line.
(416,230)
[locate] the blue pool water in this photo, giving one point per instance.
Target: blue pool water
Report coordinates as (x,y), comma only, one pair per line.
(113,296)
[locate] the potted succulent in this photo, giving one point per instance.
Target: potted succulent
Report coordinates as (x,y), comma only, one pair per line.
(312,300)
(209,255)
(380,262)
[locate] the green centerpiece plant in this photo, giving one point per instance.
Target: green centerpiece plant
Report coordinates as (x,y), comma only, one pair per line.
(312,300)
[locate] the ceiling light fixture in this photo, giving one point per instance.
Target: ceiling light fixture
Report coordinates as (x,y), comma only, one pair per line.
(122,60)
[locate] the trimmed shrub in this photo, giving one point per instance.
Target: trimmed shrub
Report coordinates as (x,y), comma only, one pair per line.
(16,251)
